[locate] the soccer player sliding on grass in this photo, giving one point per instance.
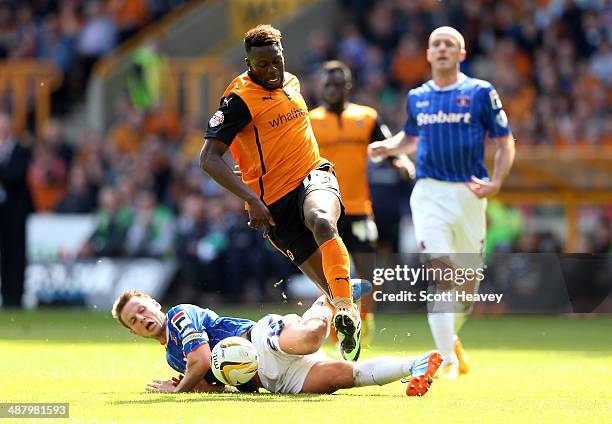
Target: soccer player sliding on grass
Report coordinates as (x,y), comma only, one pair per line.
(289,349)
(291,192)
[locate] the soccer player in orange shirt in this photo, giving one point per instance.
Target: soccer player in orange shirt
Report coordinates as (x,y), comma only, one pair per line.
(343,131)
(291,192)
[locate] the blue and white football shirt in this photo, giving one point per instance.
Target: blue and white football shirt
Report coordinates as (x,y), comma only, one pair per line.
(189,326)
(451,124)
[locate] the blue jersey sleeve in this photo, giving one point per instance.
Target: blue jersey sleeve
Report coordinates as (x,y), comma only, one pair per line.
(494,117)
(190,334)
(410,127)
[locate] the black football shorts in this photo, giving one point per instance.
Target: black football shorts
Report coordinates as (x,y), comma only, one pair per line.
(290,235)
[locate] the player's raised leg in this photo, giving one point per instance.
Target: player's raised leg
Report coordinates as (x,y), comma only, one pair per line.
(322,210)
(306,335)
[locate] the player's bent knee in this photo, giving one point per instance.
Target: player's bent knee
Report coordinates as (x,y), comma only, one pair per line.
(303,339)
(322,223)
(438,268)
(309,338)
(315,334)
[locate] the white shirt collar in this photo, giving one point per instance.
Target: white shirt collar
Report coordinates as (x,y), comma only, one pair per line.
(462,77)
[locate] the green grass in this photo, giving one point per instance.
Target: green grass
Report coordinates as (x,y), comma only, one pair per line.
(525,369)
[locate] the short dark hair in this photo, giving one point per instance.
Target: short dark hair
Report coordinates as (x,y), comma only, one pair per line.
(337,66)
(261,35)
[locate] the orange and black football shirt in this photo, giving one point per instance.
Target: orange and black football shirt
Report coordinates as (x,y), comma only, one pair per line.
(269,135)
(343,140)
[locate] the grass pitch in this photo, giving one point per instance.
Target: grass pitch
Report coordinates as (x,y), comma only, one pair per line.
(524,369)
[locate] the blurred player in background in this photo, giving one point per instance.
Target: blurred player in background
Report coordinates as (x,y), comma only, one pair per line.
(343,131)
(290,358)
(448,119)
(15,205)
(290,190)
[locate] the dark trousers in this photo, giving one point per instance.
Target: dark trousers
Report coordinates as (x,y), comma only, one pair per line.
(12,259)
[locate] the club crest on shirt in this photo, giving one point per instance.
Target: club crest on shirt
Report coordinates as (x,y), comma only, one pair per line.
(463,101)
(217,119)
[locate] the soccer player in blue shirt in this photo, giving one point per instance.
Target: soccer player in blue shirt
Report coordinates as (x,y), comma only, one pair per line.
(289,350)
(448,120)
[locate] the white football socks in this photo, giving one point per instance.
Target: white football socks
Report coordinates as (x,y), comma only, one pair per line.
(442,329)
(380,371)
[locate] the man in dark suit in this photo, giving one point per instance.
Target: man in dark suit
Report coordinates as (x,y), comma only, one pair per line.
(15,205)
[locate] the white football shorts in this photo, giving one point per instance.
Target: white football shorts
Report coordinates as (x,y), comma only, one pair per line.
(449,219)
(280,372)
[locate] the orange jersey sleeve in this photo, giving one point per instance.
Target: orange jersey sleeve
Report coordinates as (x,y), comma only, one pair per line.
(343,140)
(269,134)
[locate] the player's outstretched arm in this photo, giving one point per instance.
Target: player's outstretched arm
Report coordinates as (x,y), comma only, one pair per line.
(405,167)
(399,144)
(211,162)
(504,158)
(198,364)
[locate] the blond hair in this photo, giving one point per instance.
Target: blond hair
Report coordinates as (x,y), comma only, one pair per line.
(447,30)
(122,300)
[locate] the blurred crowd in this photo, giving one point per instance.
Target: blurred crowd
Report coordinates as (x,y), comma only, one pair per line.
(73,34)
(150,199)
(550,60)
(140,179)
